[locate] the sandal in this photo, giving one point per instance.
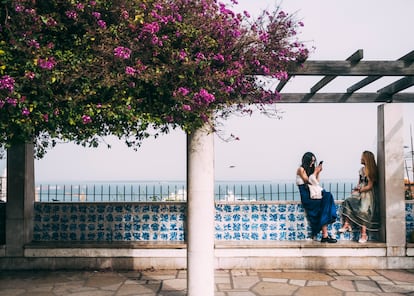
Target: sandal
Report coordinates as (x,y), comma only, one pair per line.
(363,239)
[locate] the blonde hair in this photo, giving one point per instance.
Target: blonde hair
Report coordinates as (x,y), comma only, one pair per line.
(370,165)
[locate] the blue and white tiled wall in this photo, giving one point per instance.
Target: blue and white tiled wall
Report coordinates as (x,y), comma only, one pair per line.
(259,222)
(409,220)
(109,222)
(166,222)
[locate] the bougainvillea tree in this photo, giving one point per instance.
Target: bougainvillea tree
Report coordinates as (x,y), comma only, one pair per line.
(78,70)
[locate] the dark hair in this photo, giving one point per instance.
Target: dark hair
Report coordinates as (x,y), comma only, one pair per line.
(306,163)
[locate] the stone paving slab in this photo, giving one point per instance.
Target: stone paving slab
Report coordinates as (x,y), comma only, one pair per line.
(240,282)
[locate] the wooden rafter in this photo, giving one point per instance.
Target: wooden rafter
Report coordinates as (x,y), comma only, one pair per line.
(364,82)
(345,68)
(354,58)
(354,66)
(369,97)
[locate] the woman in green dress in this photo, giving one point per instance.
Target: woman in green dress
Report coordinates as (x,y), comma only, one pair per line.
(361,208)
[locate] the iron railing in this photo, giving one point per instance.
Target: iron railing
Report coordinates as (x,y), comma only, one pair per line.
(176,192)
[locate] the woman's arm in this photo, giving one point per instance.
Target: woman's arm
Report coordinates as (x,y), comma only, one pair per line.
(367,187)
(317,170)
(301,172)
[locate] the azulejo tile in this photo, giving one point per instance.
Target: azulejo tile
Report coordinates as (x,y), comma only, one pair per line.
(166,222)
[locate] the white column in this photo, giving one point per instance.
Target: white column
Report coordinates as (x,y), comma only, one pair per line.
(391,177)
(200,213)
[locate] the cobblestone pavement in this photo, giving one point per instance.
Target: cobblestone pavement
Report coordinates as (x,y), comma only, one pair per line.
(228,283)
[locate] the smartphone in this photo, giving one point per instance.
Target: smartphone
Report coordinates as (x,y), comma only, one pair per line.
(321,162)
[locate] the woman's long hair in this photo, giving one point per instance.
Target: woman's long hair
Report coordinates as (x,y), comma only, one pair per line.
(370,166)
(306,163)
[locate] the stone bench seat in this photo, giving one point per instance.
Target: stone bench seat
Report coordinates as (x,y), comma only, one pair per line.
(300,254)
(218,245)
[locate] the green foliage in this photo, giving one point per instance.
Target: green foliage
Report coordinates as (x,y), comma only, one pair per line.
(80,70)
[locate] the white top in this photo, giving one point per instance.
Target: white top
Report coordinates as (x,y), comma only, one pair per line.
(315,189)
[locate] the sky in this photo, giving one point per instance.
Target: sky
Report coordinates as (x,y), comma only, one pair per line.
(270,149)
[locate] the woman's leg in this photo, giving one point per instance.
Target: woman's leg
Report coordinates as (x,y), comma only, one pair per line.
(364,237)
(325,230)
(346,226)
(326,238)
(364,232)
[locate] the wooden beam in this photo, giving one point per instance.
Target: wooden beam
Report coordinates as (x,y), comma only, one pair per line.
(409,57)
(398,85)
(395,87)
(347,68)
(362,83)
(321,83)
(354,58)
(371,97)
(282,84)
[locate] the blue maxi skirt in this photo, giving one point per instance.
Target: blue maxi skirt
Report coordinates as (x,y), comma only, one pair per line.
(319,211)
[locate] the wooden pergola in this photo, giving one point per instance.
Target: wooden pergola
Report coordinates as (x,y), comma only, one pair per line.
(200,173)
(354,66)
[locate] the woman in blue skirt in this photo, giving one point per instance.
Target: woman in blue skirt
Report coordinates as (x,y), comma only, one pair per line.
(320,211)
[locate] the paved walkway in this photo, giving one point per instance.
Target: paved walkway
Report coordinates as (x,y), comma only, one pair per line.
(228,283)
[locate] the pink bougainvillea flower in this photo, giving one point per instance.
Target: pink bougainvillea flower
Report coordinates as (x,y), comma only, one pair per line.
(125,14)
(102,24)
(29,75)
(186,107)
(219,57)
(47,63)
(7,82)
(80,6)
(151,28)
(72,14)
(183,90)
(86,119)
(25,112)
(33,43)
(182,55)
(122,52)
(96,15)
(281,75)
(11,101)
(204,97)
(168,118)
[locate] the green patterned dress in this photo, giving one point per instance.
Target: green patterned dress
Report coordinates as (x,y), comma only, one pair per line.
(362,208)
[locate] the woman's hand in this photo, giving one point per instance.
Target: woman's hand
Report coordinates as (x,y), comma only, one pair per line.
(318,169)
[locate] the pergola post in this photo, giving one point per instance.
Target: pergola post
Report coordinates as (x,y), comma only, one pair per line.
(391,177)
(200,212)
(20,198)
